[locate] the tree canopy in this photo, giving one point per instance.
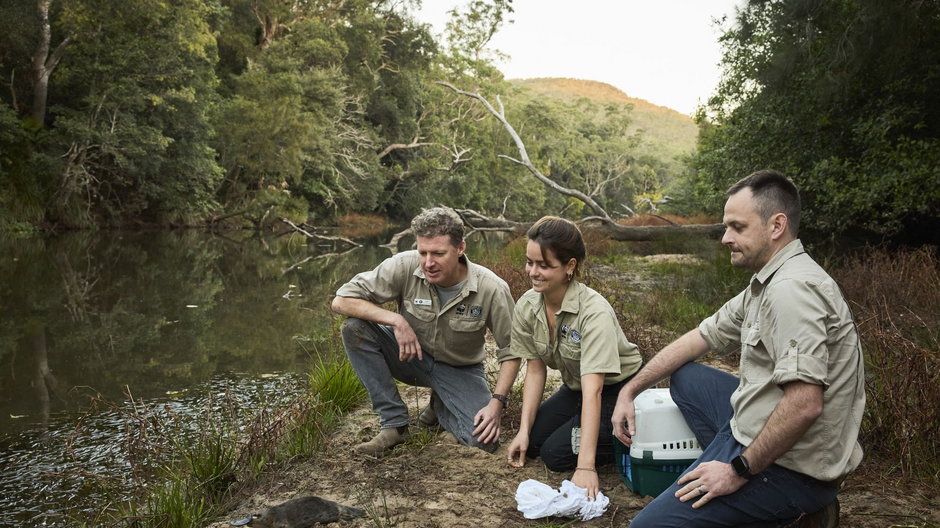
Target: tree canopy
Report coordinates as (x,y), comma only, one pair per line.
(190,112)
(844,97)
(182,113)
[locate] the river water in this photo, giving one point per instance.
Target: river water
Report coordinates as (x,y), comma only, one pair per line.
(94,324)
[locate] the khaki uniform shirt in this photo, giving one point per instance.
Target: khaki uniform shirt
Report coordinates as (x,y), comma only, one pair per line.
(588,339)
(452,333)
(792,324)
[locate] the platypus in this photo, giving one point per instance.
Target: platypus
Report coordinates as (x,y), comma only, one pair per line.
(302,512)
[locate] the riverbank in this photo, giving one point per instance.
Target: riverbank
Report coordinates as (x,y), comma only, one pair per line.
(442,485)
(430,483)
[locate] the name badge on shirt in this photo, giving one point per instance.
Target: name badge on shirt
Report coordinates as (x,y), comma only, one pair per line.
(422,302)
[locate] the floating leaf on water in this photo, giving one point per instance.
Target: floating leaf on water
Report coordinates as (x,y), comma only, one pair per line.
(15,416)
(175,393)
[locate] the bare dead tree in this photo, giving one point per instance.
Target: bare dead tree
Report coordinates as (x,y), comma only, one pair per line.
(392,244)
(524,155)
(601,217)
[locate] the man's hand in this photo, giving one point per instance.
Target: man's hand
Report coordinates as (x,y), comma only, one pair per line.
(487,422)
(708,481)
(624,417)
(408,346)
(517,449)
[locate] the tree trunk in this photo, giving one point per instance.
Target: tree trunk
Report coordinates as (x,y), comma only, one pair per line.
(44,63)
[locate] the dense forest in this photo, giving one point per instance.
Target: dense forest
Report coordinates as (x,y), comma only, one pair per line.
(191,112)
(844,97)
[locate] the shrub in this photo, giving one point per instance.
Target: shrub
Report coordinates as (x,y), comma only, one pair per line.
(894,297)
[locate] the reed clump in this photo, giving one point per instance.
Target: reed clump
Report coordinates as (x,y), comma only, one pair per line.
(188,473)
(893,294)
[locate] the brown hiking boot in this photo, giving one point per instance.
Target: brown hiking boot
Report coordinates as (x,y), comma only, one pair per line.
(828,517)
(383,442)
(428,416)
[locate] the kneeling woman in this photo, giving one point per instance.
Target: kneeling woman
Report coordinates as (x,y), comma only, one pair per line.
(565,325)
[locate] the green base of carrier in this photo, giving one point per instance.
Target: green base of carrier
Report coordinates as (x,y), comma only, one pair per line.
(648,476)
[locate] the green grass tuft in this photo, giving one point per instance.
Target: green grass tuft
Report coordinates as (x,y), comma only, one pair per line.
(335,383)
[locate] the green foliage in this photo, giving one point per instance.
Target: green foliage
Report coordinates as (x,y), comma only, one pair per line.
(664,137)
(335,384)
(130,110)
(172,505)
(211,462)
(195,111)
(841,96)
(684,289)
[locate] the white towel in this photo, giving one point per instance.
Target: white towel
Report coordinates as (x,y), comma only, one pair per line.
(536,500)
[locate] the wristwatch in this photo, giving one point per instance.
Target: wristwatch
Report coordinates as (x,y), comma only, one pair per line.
(502,399)
(741,467)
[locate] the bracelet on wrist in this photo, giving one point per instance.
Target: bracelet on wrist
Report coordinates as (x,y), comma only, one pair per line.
(585,469)
(502,399)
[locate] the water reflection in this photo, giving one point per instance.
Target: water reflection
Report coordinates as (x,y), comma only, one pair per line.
(163,315)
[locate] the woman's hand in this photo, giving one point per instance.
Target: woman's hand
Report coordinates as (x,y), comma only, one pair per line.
(517,450)
(587,479)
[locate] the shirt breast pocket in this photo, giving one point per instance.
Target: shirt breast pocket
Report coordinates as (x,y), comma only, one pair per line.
(420,319)
(751,356)
(466,334)
(458,324)
(570,351)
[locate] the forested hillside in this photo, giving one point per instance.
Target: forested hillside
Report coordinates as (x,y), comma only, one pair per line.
(666,133)
(244,111)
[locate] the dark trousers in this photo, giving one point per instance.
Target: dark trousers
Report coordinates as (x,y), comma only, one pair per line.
(774,497)
(550,437)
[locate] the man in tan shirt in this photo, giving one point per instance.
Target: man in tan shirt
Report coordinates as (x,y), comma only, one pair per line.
(779,439)
(435,338)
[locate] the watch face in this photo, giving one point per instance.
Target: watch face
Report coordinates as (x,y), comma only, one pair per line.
(739,463)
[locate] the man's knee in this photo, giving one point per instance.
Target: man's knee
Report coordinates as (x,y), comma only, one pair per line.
(356,332)
(352,326)
(686,375)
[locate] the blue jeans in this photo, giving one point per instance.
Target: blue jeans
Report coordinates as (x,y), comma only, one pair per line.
(773,497)
(462,391)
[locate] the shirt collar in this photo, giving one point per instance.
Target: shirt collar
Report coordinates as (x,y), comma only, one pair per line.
(570,303)
(792,249)
(472,280)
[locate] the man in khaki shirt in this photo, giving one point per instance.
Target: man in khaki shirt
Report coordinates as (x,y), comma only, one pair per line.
(779,439)
(435,339)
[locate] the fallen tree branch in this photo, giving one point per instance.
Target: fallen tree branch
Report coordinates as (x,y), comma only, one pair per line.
(392,244)
(327,238)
